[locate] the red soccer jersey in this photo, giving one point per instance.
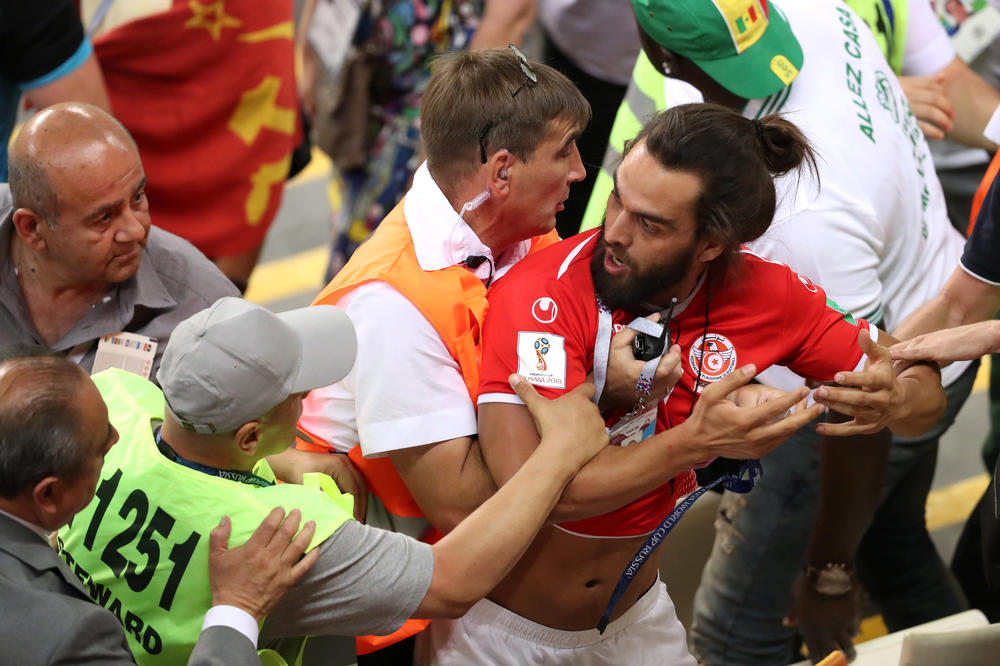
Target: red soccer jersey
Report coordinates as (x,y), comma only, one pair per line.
(543,319)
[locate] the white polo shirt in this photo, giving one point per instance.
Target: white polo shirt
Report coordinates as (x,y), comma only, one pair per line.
(405,389)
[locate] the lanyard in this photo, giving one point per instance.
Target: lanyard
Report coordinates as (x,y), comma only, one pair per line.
(248,478)
(602,346)
(751,469)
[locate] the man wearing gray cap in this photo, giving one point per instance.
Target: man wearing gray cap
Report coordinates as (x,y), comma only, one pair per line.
(233,379)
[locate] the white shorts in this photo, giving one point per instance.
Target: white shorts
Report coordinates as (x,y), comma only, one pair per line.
(647,633)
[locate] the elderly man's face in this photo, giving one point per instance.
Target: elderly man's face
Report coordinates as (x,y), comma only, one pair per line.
(103,220)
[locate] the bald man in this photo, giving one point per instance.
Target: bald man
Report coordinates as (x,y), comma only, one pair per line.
(81,259)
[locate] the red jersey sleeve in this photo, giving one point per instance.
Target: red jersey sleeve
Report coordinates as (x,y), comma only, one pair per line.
(826,337)
(539,329)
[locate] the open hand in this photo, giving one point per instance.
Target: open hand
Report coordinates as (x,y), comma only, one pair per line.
(746,428)
(257,574)
(571,421)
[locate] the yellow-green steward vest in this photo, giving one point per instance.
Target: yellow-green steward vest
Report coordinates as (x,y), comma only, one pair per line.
(646,95)
(141,545)
(887,20)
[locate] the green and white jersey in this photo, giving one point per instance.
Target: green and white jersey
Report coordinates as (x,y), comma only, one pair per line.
(874,232)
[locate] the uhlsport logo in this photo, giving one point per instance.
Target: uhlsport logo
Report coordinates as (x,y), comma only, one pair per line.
(714,355)
(544,310)
(541,349)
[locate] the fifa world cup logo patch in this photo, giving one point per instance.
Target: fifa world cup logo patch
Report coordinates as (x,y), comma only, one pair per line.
(541,349)
(712,356)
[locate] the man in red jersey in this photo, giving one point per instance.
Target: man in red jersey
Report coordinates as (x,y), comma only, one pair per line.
(693,187)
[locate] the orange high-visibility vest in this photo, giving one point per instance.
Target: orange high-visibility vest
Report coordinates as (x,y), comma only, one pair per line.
(453,300)
(984,187)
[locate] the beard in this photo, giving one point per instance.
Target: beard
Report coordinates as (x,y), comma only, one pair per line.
(639,287)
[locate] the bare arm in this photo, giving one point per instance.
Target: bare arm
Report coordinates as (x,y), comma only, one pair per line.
(504,22)
(974,101)
(963,299)
(618,475)
(292,463)
(955,102)
(472,559)
(83,84)
(449,479)
(852,469)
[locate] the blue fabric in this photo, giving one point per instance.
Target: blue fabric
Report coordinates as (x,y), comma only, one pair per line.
(982,250)
(761,540)
(74,62)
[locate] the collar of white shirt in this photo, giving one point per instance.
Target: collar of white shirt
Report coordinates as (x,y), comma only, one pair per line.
(441,238)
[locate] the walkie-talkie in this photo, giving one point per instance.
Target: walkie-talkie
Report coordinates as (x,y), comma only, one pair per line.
(646,347)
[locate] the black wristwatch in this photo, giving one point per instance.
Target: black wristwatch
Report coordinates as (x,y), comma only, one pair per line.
(832,579)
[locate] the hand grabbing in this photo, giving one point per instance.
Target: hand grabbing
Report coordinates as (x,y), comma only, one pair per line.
(571,424)
(624,368)
(930,104)
(257,574)
(743,423)
(871,396)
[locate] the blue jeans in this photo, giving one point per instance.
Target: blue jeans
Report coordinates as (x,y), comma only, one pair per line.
(761,540)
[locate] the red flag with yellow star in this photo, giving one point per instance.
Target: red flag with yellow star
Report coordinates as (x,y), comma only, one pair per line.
(207,88)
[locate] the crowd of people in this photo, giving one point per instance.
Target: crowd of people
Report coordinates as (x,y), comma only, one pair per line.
(469,448)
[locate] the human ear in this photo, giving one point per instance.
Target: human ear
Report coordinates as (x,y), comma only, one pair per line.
(247,437)
(49,496)
(29,227)
(710,251)
(500,164)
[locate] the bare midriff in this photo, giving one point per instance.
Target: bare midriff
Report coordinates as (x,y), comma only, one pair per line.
(564,581)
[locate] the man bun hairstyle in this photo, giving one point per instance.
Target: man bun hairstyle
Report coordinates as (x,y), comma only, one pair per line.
(736,159)
(483,99)
(781,145)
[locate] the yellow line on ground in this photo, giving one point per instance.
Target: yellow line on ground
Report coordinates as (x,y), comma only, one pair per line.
(983,376)
(300,273)
(952,504)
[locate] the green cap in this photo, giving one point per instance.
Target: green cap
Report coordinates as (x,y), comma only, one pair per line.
(743,46)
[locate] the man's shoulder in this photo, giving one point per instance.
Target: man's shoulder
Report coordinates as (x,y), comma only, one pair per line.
(563,266)
(183,269)
(78,628)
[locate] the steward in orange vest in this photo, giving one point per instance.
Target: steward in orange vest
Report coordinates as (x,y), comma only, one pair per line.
(487,116)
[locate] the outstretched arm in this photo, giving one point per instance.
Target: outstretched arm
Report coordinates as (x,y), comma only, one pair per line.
(481,550)
(618,475)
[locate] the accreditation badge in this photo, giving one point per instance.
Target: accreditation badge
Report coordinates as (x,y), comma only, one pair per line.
(130,352)
(634,427)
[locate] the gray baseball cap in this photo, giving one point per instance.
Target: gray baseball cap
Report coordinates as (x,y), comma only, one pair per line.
(230,363)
